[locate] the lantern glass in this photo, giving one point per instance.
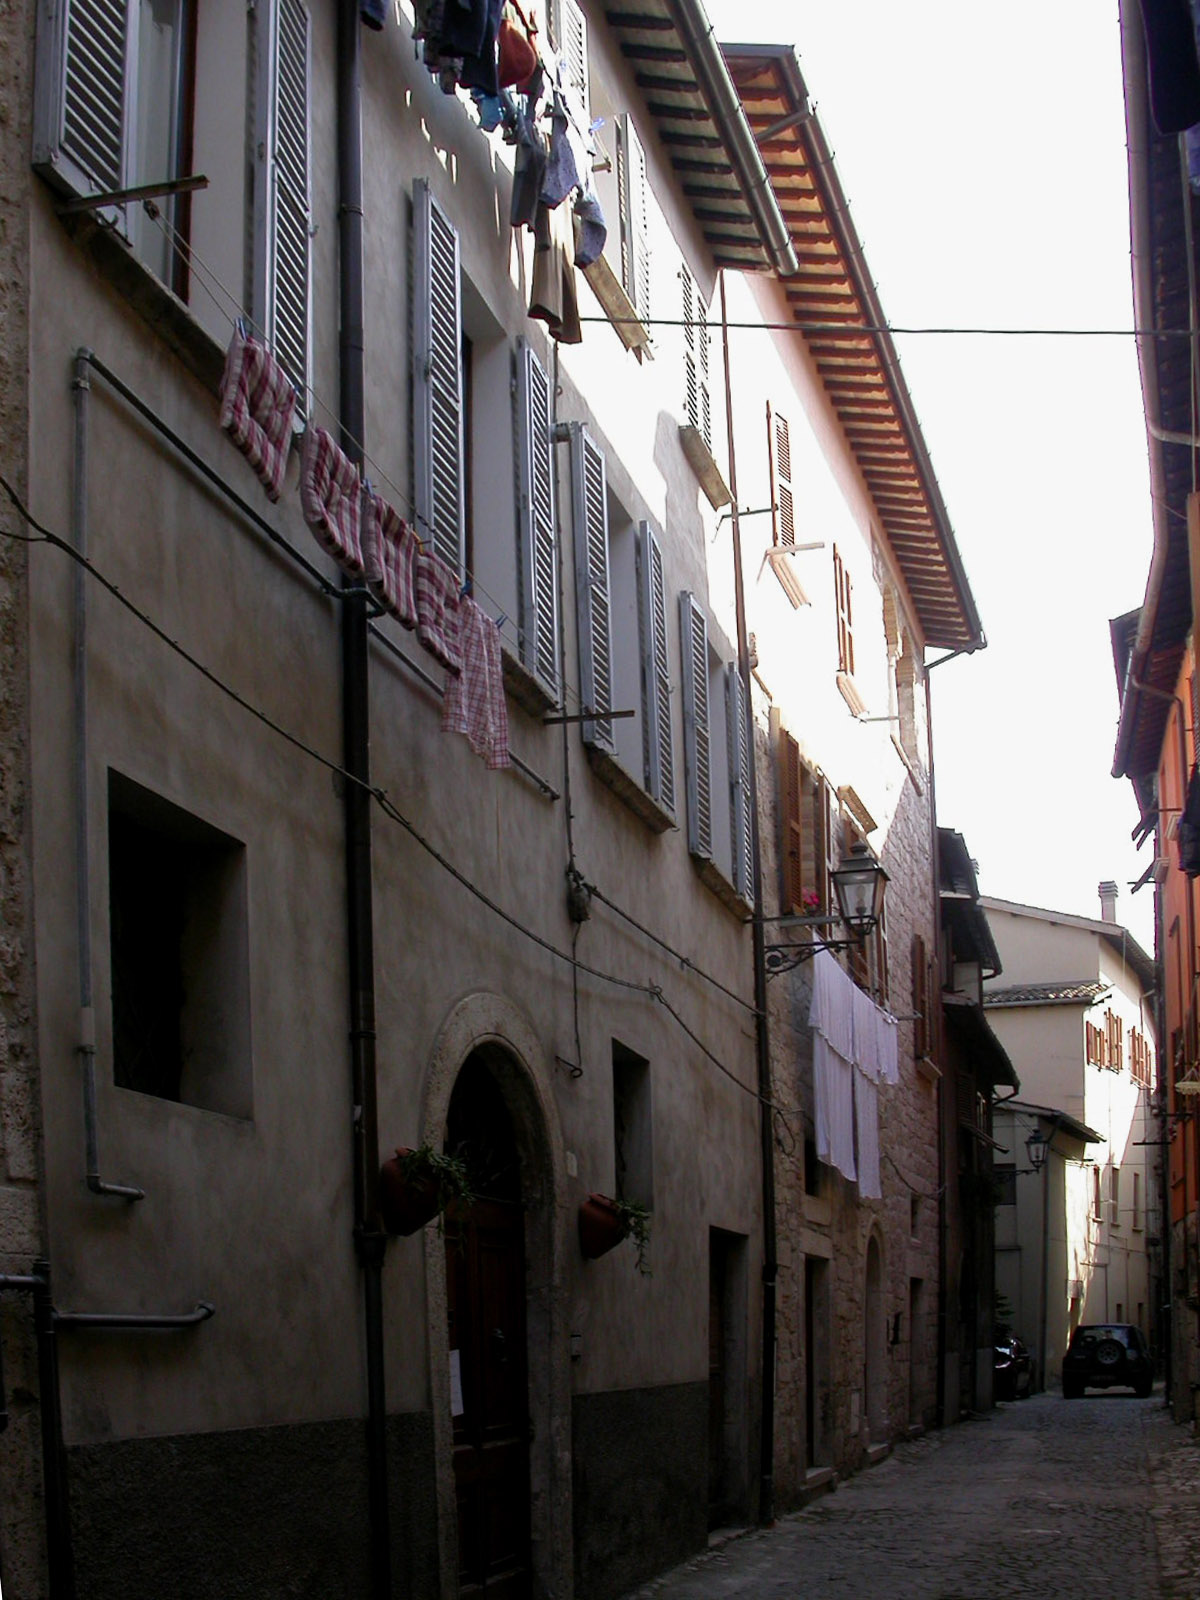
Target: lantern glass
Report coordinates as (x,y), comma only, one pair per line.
(858,885)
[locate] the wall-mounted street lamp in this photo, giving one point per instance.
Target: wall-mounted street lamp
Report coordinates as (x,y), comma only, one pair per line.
(858,888)
(1037,1147)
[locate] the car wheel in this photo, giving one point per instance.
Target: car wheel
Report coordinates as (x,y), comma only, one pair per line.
(1109,1352)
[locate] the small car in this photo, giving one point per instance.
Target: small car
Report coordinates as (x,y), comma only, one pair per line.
(1107,1355)
(1012,1370)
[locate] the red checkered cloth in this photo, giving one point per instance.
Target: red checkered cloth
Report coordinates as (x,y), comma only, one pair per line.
(474,702)
(331,499)
(258,406)
(437,610)
(390,559)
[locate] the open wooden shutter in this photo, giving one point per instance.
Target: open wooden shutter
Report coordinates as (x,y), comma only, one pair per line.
(592,586)
(779,456)
(845,615)
(81,104)
(922,1033)
(693,634)
(656,674)
(737,724)
(285,138)
(791,832)
(571,41)
(536,535)
(437,380)
(697,402)
(631,195)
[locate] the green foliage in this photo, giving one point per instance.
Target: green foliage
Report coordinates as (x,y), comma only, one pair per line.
(635,1221)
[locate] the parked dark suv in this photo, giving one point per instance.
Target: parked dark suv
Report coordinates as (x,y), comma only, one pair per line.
(1107,1355)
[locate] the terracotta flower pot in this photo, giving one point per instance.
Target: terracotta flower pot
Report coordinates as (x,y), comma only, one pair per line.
(601,1226)
(406,1202)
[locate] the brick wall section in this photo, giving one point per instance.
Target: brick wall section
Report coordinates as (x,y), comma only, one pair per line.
(22,1557)
(836,1224)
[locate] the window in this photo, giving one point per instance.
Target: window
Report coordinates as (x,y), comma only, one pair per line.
(632,1127)
(537,546)
(1005,1174)
(437,381)
(1093,1045)
(779,457)
(658,756)
(697,400)
(1135,1219)
(133,92)
(739,741)
(845,616)
(807,830)
(693,636)
(592,588)
(1097,1210)
(921,991)
(632,202)
(1114,1029)
(568,29)
(179,954)
(1114,1196)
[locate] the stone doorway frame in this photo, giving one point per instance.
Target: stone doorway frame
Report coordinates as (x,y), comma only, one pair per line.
(489,1024)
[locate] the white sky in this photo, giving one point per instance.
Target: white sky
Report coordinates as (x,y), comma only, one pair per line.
(982,151)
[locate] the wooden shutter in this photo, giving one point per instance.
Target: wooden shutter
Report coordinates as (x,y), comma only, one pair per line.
(697,401)
(845,615)
(81,104)
(693,634)
(922,1034)
(779,456)
(738,729)
(790,831)
(285,139)
(631,195)
(657,753)
(536,534)
(437,380)
(571,42)
(592,586)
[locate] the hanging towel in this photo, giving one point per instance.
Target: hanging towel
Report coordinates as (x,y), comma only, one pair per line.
(475,704)
(833,1105)
(832,1009)
(258,407)
(866,1034)
(331,499)
(390,558)
(437,591)
(889,1048)
(866,1127)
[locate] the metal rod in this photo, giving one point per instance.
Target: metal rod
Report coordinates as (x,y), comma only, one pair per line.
(133,1319)
(141,191)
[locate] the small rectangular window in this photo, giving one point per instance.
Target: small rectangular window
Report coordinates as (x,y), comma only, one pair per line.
(179,954)
(633,1133)
(1006,1183)
(1097,1211)
(1135,1220)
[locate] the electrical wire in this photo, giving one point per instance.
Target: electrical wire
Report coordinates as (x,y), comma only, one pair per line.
(386,805)
(855,330)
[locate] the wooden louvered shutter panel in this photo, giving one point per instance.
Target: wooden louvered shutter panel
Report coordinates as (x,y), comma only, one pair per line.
(537,549)
(592,588)
(920,997)
(737,723)
(693,633)
(779,454)
(790,828)
(81,128)
(288,297)
(829,833)
(697,402)
(658,757)
(631,194)
(571,42)
(437,380)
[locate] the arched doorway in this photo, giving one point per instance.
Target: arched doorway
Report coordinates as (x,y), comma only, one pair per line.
(487,1342)
(875,1345)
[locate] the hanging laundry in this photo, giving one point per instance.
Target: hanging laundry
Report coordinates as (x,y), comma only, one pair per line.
(866,1034)
(438,598)
(390,559)
(866,1128)
(833,1107)
(832,1008)
(331,499)
(591,230)
(475,703)
(372,13)
(517,54)
(553,298)
(469,31)
(529,172)
(889,1048)
(258,408)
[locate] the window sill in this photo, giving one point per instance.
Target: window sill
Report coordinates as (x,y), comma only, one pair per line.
(618,308)
(158,307)
(523,688)
(850,694)
(715,881)
(613,775)
(928,1069)
(703,463)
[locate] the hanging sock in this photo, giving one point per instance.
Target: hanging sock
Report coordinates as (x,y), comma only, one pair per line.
(475,703)
(258,407)
(438,601)
(390,559)
(330,497)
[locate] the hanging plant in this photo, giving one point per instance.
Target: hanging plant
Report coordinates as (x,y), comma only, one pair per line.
(604,1223)
(417,1185)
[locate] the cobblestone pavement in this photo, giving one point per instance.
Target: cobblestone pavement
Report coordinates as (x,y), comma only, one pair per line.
(1045,1497)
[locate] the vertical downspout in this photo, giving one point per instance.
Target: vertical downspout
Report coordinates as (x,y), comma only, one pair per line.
(770,1268)
(60,1557)
(83,905)
(369,1239)
(932,1000)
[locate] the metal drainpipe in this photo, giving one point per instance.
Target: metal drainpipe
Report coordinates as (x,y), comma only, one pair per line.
(83,909)
(369,1238)
(930,1001)
(770,1269)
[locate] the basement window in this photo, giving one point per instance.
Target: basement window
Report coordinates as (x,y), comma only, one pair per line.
(179,950)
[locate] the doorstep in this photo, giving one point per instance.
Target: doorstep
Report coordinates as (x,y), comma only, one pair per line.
(877,1453)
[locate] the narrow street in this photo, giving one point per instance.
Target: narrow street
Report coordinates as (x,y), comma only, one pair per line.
(1041,1498)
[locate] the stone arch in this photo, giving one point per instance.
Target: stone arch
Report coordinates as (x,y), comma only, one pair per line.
(875,1376)
(491,1028)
